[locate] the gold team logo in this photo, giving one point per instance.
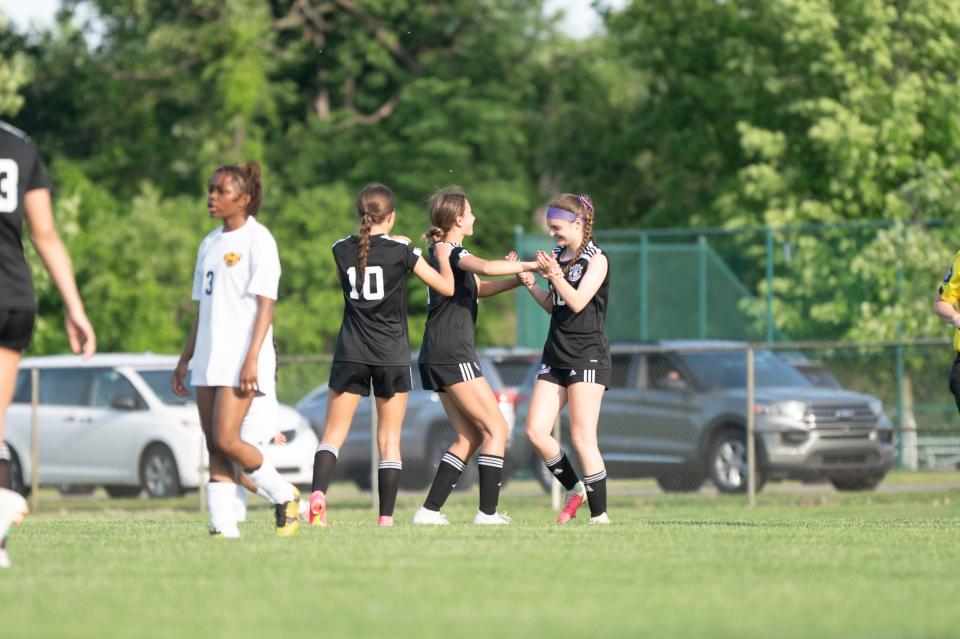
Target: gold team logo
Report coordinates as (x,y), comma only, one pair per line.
(231,258)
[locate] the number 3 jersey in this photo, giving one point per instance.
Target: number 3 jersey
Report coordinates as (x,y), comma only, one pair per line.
(233,268)
(578,340)
(449,334)
(21,170)
(374,328)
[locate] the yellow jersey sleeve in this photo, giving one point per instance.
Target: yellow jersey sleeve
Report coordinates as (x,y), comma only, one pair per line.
(950,288)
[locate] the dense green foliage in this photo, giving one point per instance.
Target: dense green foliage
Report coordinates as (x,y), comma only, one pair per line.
(693,112)
(799,565)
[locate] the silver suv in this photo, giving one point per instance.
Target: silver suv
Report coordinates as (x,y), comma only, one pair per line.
(677,411)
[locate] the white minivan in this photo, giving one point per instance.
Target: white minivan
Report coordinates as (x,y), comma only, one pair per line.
(113,421)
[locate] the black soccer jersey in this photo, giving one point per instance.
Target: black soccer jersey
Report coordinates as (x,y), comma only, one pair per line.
(374,329)
(451,321)
(578,340)
(21,170)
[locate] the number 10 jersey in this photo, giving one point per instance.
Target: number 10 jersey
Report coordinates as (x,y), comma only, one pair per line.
(374,328)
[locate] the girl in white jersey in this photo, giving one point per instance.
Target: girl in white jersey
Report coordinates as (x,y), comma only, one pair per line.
(230,345)
(373,348)
(575,369)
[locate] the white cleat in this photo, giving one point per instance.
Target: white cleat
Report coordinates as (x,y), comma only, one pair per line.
(4,558)
(427,517)
(496,519)
(600,519)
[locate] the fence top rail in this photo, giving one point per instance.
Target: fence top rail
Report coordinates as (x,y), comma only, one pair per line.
(787,228)
(685,346)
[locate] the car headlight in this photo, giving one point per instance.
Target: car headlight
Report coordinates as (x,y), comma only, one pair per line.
(795,410)
(876,406)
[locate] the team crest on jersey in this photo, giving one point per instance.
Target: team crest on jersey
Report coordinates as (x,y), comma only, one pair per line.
(230,259)
(946,278)
(575,273)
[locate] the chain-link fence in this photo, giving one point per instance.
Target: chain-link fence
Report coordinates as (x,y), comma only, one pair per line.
(762,284)
(836,413)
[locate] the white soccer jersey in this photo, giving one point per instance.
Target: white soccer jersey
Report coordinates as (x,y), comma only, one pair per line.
(232,269)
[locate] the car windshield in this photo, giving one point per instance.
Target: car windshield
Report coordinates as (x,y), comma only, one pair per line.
(718,371)
(159,383)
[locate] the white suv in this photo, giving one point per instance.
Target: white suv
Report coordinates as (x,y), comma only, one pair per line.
(112,420)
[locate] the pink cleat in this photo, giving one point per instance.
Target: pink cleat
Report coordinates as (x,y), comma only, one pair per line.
(317,515)
(574,501)
(385,521)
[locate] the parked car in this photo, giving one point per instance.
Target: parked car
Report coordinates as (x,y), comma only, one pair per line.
(425,435)
(679,415)
(113,420)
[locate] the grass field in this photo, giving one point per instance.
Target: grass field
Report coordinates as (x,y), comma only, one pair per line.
(799,565)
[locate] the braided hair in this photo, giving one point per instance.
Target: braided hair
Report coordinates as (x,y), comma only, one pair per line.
(374,204)
(582,207)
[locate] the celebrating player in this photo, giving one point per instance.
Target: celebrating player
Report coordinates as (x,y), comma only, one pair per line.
(373,345)
(449,365)
(576,357)
(231,344)
(24,194)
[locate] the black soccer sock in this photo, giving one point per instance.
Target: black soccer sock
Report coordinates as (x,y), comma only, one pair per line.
(388,482)
(491,476)
(596,485)
(324,462)
(448,472)
(563,470)
(6,457)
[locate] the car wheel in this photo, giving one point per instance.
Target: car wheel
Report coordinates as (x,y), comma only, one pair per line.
(158,473)
(863,482)
(681,481)
(16,476)
(727,462)
(122,491)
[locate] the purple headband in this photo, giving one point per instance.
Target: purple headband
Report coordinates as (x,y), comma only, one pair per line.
(553,213)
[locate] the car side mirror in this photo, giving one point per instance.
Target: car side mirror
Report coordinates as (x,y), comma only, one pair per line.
(124,402)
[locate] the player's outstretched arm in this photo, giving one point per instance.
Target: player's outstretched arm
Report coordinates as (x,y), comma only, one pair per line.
(43,233)
(495,287)
(542,297)
(441,282)
(575,298)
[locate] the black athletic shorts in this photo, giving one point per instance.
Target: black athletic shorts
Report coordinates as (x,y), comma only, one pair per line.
(16,329)
(436,377)
(353,377)
(567,376)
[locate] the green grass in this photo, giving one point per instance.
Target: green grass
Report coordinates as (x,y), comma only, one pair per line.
(798,565)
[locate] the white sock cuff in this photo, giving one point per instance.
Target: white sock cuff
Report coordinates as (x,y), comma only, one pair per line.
(555,460)
(595,477)
(453,460)
(387,464)
(329,448)
(5,454)
(490,460)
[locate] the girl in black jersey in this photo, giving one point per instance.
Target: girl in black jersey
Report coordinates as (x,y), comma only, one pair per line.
(575,369)
(449,365)
(25,196)
(373,346)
